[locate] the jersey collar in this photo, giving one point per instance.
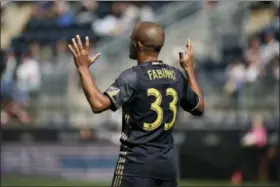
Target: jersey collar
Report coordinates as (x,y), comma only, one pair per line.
(154,62)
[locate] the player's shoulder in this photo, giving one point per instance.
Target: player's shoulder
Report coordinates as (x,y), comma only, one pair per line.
(128,73)
(128,76)
(180,72)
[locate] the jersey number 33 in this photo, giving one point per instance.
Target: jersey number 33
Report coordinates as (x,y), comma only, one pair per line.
(156,106)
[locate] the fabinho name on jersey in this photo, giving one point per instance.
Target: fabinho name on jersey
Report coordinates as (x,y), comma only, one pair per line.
(162,73)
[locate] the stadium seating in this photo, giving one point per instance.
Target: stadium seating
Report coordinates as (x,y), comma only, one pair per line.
(48,32)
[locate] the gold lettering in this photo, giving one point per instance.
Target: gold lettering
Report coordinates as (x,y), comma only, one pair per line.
(169,74)
(166,73)
(155,75)
(173,75)
(159,72)
(150,74)
(163,73)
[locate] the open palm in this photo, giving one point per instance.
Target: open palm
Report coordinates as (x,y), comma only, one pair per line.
(81,53)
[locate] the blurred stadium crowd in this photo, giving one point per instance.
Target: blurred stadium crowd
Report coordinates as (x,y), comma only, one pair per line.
(41,47)
(39,84)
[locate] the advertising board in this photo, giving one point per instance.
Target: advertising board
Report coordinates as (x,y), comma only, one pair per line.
(89,162)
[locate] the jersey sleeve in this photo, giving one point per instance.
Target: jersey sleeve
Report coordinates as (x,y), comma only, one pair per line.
(190,99)
(123,89)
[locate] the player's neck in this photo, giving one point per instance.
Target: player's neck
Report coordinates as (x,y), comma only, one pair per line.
(142,58)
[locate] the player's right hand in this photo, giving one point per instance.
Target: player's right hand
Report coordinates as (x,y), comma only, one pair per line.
(80,52)
(186,57)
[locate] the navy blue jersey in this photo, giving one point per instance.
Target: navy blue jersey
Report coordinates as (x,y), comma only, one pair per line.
(150,95)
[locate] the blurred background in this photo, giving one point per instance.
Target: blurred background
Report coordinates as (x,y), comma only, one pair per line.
(49,134)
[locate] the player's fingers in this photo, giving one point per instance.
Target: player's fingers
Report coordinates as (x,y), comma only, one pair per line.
(80,44)
(186,49)
(192,49)
(189,44)
(72,50)
(75,46)
(87,43)
(181,55)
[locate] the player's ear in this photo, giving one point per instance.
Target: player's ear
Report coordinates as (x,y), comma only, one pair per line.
(139,45)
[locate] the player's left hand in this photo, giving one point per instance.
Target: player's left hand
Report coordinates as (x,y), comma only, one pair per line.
(186,58)
(80,52)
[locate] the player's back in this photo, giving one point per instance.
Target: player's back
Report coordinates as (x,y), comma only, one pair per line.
(149,118)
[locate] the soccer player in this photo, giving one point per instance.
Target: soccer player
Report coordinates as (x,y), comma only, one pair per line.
(150,94)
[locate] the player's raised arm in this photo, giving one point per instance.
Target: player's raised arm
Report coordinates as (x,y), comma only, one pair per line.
(97,100)
(193,100)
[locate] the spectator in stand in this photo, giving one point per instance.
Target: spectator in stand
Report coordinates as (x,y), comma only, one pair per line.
(253,59)
(35,51)
(28,78)
(65,17)
(111,24)
(9,105)
(270,49)
(131,14)
(124,15)
(85,12)
(143,11)
(235,76)
(253,52)
(254,143)
(43,10)
(257,136)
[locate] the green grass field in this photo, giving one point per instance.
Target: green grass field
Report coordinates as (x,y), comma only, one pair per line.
(47,181)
